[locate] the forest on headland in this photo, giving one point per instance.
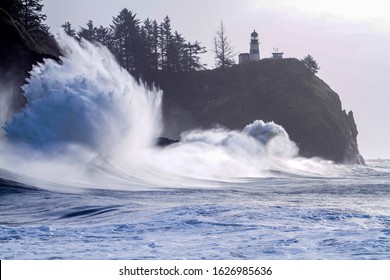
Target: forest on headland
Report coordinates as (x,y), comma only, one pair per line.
(141,47)
(145,48)
(285,91)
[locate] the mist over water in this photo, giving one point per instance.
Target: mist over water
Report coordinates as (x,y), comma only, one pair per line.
(89,119)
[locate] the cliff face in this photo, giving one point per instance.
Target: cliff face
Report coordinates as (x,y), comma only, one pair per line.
(283,91)
(18,52)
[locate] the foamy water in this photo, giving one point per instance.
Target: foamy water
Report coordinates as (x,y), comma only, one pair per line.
(81,178)
(89,118)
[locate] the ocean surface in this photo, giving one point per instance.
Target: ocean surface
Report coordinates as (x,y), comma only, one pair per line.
(82,178)
(344,217)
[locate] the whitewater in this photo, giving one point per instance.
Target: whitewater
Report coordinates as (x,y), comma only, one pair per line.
(81,177)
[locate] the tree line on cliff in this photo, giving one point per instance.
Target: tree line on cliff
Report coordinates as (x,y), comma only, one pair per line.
(143,48)
(29,14)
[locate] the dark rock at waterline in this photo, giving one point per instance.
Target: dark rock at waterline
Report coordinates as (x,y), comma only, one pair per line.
(283,91)
(163,141)
(18,53)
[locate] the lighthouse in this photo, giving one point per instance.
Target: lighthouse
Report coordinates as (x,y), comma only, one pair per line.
(254,52)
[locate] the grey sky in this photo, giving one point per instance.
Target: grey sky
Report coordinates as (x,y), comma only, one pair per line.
(349,39)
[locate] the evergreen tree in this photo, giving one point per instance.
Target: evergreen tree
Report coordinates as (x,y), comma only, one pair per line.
(29,14)
(126,37)
(165,43)
(224,53)
(143,49)
(176,53)
(193,59)
(310,64)
(67,27)
(155,41)
(103,36)
(150,46)
(88,33)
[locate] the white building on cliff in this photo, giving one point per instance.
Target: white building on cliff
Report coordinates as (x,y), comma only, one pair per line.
(254,50)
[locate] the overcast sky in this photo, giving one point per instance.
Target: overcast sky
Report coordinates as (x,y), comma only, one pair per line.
(349,39)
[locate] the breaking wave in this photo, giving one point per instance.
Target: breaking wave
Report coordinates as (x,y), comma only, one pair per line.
(88,123)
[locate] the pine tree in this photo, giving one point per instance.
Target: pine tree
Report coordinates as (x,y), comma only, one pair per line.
(310,64)
(88,33)
(193,59)
(224,53)
(155,41)
(165,43)
(67,27)
(103,36)
(150,46)
(176,54)
(126,36)
(29,14)
(143,49)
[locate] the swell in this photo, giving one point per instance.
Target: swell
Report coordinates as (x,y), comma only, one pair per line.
(9,187)
(87,212)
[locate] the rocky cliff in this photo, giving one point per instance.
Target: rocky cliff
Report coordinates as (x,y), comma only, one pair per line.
(283,91)
(18,52)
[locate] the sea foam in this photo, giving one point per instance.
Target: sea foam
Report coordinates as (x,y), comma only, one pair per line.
(89,118)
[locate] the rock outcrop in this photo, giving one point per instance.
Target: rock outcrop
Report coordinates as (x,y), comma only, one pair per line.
(283,91)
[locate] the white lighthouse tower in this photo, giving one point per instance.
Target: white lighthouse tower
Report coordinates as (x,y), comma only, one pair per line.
(254,52)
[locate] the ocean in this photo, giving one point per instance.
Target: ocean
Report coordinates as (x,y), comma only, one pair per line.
(81,178)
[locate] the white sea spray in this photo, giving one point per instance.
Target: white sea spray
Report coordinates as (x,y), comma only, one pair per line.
(90,119)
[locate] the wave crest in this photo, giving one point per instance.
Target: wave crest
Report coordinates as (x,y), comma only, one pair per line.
(88,123)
